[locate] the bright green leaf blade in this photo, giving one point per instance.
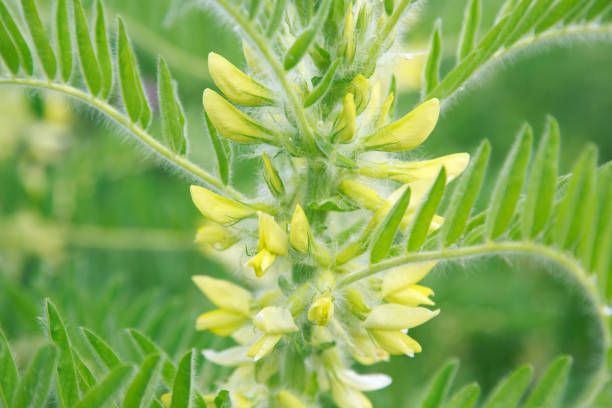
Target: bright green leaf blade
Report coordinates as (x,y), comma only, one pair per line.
(106,390)
(469,29)
(509,184)
(431,75)
(425,214)
(558,12)
(531,19)
(389,7)
(127,75)
(510,390)
(39,37)
(67,388)
(277,16)
(140,391)
(34,387)
(9,377)
(24,50)
(105,355)
(254,6)
(602,249)
(388,228)
(64,42)
(542,183)
(172,130)
(569,219)
(222,150)
(85,377)
(466,397)
(8,50)
(549,391)
(464,196)
(303,42)
(103,51)
(323,85)
(440,385)
(146,346)
(182,390)
(223,400)
(597,9)
(87,56)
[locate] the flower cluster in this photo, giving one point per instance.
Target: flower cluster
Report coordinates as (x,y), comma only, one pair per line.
(333,177)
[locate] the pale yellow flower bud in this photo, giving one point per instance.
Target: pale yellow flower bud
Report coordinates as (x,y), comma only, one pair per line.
(219,209)
(216,236)
(356,301)
(349,36)
(221,322)
(321,310)
(271,176)
(413,295)
(348,397)
(261,262)
(271,236)
(391,316)
(407,132)
(274,320)
(233,123)
(345,128)
(224,294)
(407,172)
(263,346)
(364,350)
(360,89)
(299,230)
(235,84)
(288,400)
(395,342)
(384,111)
(404,276)
(253,60)
(364,195)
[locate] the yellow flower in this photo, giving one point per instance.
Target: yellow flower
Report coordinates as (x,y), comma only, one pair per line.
(216,208)
(384,111)
(274,321)
(235,84)
(364,195)
(406,172)
(407,132)
(321,310)
(348,397)
(404,277)
(233,123)
(345,128)
(216,236)
(271,176)
(364,350)
(395,342)
(391,316)
(273,241)
(233,302)
(360,89)
(288,400)
(300,237)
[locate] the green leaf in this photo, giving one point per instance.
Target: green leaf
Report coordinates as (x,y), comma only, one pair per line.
(431,76)
(509,184)
(106,390)
(173,130)
(510,390)
(19,41)
(426,212)
(597,9)
(86,379)
(34,387)
(103,51)
(541,189)
(466,397)
(254,7)
(182,390)
(569,226)
(129,79)
(323,85)
(223,400)
(87,56)
(64,42)
(303,42)
(549,391)
(558,12)
(67,388)
(532,17)
(140,391)
(389,7)
(146,346)
(8,50)
(440,385)
(602,249)
(9,377)
(388,228)
(464,196)
(222,150)
(40,38)
(105,355)
(277,16)
(469,29)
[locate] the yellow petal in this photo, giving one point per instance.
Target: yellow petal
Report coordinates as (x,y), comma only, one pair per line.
(321,310)
(235,84)
(216,208)
(395,342)
(364,195)
(233,123)
(263,346)
(404,276)
(411,296)
(407,132)
(271,236)
(360,89)
(216,236)
(274,320)
(345,127)
(391,316)
(288,400)
(261,262)
(384,111)
(348,36)
(221,322)
(224,294)
(299,230)
(365,351)
(348,397)
(356,301)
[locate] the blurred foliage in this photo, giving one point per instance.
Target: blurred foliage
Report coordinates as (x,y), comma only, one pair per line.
(106,234)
